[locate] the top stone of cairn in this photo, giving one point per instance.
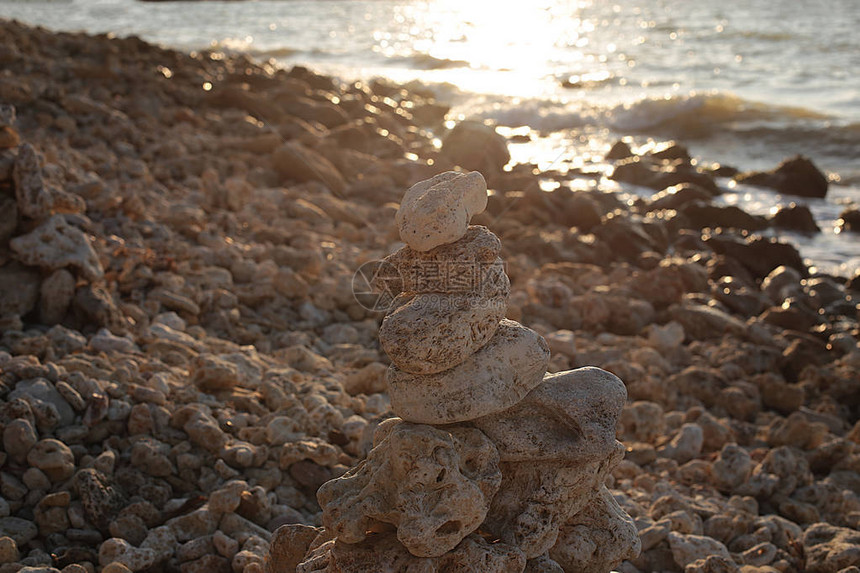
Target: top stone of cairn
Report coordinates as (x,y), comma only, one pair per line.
(437,211)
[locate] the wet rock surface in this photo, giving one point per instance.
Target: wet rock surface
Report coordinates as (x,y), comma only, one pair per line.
(183,363)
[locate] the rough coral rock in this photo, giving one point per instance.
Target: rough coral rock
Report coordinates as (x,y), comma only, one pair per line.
(434,332)
(570,416)
(437,211)
(55,245)
(537,498)
(598,538)
(434,485)
(466,265)
(496,377)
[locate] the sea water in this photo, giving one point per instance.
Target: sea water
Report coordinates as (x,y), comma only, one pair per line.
(740,82)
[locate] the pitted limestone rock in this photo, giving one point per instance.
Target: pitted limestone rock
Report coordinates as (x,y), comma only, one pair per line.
(437,211)
(452,267)
(537,498)
(556,447)
(383,554)
(54,245)
(571,416)
(434,485)
(434,332)
(496,377)
(598,538)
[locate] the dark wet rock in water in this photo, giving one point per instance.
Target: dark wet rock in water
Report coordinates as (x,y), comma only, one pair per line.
(795,176)
(795,218)
(646,172)
(849,220)
(477,147)
(430,113)
(635,171)
(619,150)
(677,196)
(718,170)
(685,173)
(702,215)
(758,254)
(670,151)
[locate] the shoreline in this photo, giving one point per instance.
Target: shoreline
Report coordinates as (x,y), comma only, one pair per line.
(183,358)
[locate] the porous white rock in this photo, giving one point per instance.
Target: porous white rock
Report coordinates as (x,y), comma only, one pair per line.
(686,445)
(469,264)
(434,485)
(571,416)
(52,457)
(689,548)
(115,550)
(598,538)
(43,390)
(556,446)
(496,377)
(55,245)
(437,211)
(435,332)
(537,498)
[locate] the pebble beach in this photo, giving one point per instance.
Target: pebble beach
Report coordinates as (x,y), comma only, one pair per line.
(184,359)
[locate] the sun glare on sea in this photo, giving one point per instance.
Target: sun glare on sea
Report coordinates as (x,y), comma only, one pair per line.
(495,46)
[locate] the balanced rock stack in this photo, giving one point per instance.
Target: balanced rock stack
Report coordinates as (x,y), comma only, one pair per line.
(492,464)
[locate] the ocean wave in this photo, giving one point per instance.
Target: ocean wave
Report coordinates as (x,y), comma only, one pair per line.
(588,80)
(540,114)
(422,61)
(760,35)
(694,117)
(282,52)
(699,114)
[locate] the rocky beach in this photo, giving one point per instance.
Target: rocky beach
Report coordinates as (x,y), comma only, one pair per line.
(187,354)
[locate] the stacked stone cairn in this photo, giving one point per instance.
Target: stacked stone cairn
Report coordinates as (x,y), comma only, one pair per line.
(492,464)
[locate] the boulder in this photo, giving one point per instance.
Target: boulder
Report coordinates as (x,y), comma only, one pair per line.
(296,162)
(849,220)
(434,332)
(795,217)
(437,211)
(476,146)
(55,245)
(795,176)
(496,377)
(702,215)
